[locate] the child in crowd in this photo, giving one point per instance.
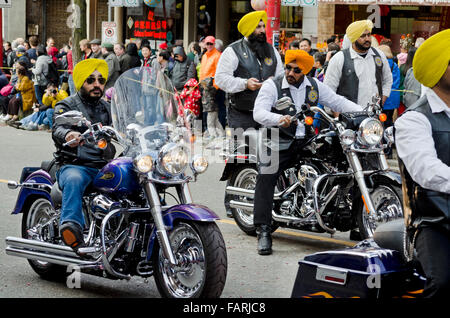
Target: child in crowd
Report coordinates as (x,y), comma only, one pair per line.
(191,96)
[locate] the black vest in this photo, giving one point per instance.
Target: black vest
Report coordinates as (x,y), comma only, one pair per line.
(250,66)
(349,83)
(424,206)
(287,135)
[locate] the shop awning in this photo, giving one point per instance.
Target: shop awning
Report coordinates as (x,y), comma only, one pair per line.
(391,2)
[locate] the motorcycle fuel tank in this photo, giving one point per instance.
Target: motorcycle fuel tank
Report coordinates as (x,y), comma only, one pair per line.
(117,176)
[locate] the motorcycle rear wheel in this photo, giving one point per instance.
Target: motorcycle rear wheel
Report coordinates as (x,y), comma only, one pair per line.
(40,212)
(201,253)
(388,205)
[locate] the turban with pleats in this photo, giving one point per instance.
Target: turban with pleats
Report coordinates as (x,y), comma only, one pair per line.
(247,25)
(85,68)
(357,28)
(432,58)
(304,61)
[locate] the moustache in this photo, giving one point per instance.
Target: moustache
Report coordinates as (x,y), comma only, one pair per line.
(96,90)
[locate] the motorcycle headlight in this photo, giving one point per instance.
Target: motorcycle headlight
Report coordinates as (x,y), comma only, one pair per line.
(370,131)
(199,164)
(144,163)
(172,159)
(348,137)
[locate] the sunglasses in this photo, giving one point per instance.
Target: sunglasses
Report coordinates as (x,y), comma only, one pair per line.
(297,70)
(100,80)
(209,43)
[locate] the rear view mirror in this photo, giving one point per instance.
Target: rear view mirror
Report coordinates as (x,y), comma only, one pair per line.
(71,118)
(283,103)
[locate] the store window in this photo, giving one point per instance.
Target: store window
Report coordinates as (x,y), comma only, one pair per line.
(161,22)
(291,20)
(238,8)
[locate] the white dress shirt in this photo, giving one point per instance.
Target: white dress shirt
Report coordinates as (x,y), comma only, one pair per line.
(415,146)
(365,70)
(226,66)
(268,95)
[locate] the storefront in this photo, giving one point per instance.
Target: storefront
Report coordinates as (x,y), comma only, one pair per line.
(156,21)
(393,19)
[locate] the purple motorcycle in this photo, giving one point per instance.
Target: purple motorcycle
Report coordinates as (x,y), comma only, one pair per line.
(130,227)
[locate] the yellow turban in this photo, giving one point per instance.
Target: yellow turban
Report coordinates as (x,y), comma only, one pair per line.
(357,28)
(85,68)
(247,25)
(304,61)
(432,58)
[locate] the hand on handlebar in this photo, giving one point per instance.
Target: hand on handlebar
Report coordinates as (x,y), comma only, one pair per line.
(73,139)
(285,121)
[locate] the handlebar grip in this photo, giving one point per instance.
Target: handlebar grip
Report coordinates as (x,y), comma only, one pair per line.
(69,143)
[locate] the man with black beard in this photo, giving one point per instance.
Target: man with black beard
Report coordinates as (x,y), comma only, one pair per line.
(292,134)
(80,162)
(243,67)
(361,71)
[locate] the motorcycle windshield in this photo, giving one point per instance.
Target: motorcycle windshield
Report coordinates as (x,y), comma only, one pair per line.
(144,108)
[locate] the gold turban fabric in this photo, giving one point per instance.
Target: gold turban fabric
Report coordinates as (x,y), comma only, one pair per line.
(304,61)
(85,68)
(357,28)
(431,59)
(247,25)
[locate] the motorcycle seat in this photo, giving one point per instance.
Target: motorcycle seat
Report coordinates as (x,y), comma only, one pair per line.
(391,235)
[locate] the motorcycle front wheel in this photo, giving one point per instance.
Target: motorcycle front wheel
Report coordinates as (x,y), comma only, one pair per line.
(36,225)
(202,262)
(388,205)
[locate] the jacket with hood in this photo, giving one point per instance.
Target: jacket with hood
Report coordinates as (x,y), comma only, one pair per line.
(130,59)
(182,71)
(40,70)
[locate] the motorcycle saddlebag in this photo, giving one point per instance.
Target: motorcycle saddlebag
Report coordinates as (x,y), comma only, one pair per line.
(351,273)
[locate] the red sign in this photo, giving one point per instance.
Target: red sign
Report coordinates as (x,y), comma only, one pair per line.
(151,28)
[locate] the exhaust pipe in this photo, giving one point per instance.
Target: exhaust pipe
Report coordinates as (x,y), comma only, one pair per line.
(251,193)
(42,251)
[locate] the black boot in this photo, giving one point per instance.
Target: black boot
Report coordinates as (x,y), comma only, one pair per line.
(264,239)
(72,235)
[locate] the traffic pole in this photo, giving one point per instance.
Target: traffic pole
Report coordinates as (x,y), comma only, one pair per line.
(273,19)
(1,37)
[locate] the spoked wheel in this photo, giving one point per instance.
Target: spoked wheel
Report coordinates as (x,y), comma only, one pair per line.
(388,206)
(38,224)
(244,177)
(202,262)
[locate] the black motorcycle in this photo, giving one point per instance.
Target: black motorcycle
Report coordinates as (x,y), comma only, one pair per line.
(341,181)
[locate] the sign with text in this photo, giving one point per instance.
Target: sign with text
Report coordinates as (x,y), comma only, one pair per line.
(109,32)
(299,3)
(5,3)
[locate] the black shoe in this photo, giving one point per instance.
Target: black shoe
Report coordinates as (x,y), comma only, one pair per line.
(264,240)
(72,235)
(229,213)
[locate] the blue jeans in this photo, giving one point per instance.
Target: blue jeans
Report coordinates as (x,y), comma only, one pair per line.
(72,88)
(39,92)
(73,181)
(48,118)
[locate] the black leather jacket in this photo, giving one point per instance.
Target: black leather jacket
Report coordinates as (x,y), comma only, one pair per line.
(85,155)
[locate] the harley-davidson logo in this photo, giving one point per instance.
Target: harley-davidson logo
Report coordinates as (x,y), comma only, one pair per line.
(107,176)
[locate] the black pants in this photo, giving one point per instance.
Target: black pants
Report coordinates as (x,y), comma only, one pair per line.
(238,119)
(266,182)
(433,252)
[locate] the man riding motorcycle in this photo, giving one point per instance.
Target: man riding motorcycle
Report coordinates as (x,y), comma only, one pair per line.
(79,162)
(422,137)
(292,134)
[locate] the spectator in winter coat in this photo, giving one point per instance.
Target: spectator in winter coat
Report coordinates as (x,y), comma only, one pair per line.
(183,70)
(130,59)
(393,101)
(113,64)
(24,98)
(40,72)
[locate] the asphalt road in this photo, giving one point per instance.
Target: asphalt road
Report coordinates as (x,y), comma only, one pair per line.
(249,275)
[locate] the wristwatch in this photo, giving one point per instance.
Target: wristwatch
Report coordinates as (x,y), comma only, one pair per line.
(246,83)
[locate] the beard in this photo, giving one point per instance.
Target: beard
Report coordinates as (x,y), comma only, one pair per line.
(294,82)
(258,44)
(363,47)
(92,96)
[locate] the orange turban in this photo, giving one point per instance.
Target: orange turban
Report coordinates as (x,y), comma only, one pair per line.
(304,61)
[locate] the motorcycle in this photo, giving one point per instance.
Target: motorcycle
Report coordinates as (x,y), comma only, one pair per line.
(131,229)
(340,182)
(384,266)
